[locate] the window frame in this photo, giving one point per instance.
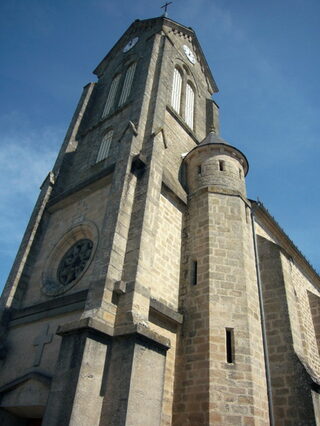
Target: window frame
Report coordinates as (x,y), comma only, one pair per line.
(187,114)
(176,91)
(120,89)
(105,145)
(189,117)
(127,84)
(112,95)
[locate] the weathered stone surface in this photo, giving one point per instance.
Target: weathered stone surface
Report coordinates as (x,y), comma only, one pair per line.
(191,301)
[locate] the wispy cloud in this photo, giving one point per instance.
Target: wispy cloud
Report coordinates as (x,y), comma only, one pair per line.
(26,156)
(24,163)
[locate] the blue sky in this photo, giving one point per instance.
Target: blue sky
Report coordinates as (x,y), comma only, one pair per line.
(264,56)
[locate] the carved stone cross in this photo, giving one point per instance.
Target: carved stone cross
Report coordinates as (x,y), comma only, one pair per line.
(39,342)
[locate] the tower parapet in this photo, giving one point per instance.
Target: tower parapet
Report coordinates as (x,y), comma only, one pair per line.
(216,163)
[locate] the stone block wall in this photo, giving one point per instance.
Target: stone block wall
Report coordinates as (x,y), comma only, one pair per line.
(306,301)
(87,206)
(191,398)
(179,143)
(167,254)
(314,302)
(223,299)
(291,340)
(238,389)
(170,331)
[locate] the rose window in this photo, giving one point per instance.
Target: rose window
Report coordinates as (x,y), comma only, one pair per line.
(74,261)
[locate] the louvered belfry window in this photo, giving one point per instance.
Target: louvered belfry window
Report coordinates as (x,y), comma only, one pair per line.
(105,146)
(189,112)
(111,95)
(126,88)
(176,90)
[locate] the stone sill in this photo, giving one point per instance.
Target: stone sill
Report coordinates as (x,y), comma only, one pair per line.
(165,311)
(97,327)
(50,308)
(106,118)
(183,124)
(71,191)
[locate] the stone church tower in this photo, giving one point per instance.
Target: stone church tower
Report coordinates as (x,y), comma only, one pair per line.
(148,290)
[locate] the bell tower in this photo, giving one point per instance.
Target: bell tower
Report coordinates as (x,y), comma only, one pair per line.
(133,299)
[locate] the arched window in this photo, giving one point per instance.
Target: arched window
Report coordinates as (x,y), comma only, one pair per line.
(189,111)
(176,90)
(126,88)
(111,95)
(105,146)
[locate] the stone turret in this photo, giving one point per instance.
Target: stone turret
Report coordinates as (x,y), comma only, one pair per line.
(216,163)
(221,374)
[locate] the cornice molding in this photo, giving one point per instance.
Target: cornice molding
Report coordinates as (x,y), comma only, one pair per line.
(286,244)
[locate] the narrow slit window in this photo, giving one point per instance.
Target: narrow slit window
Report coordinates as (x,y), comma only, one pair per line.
(176,90)
(221,165)
(105,146)
(194,273)
(230,345)
(111,95)
(199,170)
(240,173)
(189,112)
(127,84)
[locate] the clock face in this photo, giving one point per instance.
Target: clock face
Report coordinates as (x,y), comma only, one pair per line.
(130,44)
(189,54)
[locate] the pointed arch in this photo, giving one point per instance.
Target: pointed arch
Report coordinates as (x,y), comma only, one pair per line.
(176,90)
(189,106)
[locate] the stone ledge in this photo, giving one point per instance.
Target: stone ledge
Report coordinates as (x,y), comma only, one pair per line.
(183,124)
(165,311)
(211,189)
(35,375)
(145,333)
(89,324)
(105,119)
(92,179)
(69,303)
(104,330)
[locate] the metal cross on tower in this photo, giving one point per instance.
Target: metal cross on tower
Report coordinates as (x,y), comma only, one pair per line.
(165,7)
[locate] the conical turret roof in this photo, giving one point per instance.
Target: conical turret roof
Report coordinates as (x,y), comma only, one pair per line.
(214,140)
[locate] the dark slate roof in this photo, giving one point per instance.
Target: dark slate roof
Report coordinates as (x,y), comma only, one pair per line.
(211,138)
